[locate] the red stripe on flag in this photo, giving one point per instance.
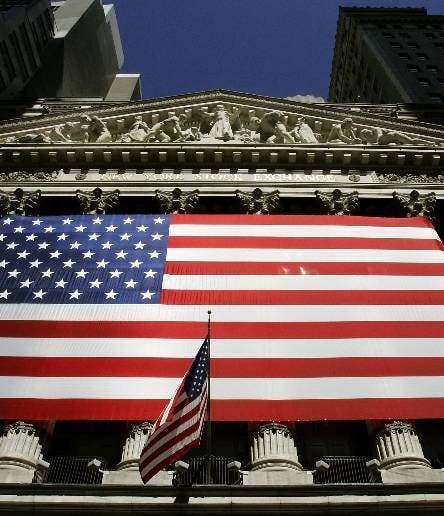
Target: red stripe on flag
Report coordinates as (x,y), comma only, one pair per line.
(302,297)
(224,330)
(223,367)
(306,268)
(298,220)
(303,243)
(226,410)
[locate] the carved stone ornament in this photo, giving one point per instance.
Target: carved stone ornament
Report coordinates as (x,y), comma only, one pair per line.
(416,204)
(19,202)
(133,446)
(410,178)
(398,446)
(220,123)
(97,202)
(20,449)
(177,201)
(272,447)
(27,175)
(258,202)
(337,202)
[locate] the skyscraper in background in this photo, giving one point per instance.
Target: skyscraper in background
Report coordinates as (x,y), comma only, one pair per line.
(387,55)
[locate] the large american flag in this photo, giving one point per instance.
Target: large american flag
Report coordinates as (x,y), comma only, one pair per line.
(179,426)
(315,317)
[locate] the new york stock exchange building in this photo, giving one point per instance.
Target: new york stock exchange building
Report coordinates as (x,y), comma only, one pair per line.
(311,233)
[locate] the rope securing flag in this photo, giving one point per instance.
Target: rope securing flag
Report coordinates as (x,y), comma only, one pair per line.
(179,427)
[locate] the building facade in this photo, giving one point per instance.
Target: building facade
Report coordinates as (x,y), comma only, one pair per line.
(388,55)
(220,152)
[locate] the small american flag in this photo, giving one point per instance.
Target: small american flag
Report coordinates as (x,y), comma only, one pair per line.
(179,427)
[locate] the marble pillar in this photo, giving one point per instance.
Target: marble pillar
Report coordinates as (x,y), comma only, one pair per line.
(127,470)
(274,457)
(398,446)
(21,459)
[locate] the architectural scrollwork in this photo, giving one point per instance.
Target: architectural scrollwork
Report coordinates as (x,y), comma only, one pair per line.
(24,175)
(178,201)
(258,202)
(337,202)
(410,178)
(97,202)
(416,204)
(19,202)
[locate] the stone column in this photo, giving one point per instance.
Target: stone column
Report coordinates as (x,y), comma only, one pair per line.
(274,457)
(398,446)
(127,470)
(133,446)
(20,454)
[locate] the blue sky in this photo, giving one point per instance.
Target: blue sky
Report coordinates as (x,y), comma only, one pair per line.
(278,48)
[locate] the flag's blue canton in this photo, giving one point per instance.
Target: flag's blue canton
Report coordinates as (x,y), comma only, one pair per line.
(198,372)
(82,259)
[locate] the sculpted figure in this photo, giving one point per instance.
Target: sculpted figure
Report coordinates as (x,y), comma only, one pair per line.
(221,128)
(381,136)
(30,138)
(94,130)
(302,133)
(19,202)
(343,133)
(249,131)
(138,132)
(178,201)
(257,202)
(415,204)
(338,203)
(97,202)
(166,131)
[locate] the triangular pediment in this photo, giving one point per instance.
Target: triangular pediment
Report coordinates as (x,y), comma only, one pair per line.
(219,118)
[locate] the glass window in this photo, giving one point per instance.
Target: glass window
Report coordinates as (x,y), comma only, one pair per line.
(422,57)
(19,56)
(423,81)
(9,65)
(36,37)
(43,34)
(395,44)
(413,68)
(432,68)
(28,47)
(2,82)
(403,56)
(412,44)
(429,35)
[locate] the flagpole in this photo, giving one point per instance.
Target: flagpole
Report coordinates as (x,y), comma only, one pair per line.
(209,384)
(209,446)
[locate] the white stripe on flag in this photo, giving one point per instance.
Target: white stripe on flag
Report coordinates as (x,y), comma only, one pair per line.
(300,231)
(224,313)
(301,282)
(225,388)
(210,254)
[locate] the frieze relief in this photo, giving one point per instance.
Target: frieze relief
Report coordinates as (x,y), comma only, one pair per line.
(218,124)
(28,175)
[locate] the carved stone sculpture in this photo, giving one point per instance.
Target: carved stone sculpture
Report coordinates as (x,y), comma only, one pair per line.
(302,132)
(343,133)
(26,175)
(97,201)
(177,201)
(416,205)
(94,130)
(19,202)
(337,202)
(138,132)
(398,446)
(380,136)
(257,202)
(221,128)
